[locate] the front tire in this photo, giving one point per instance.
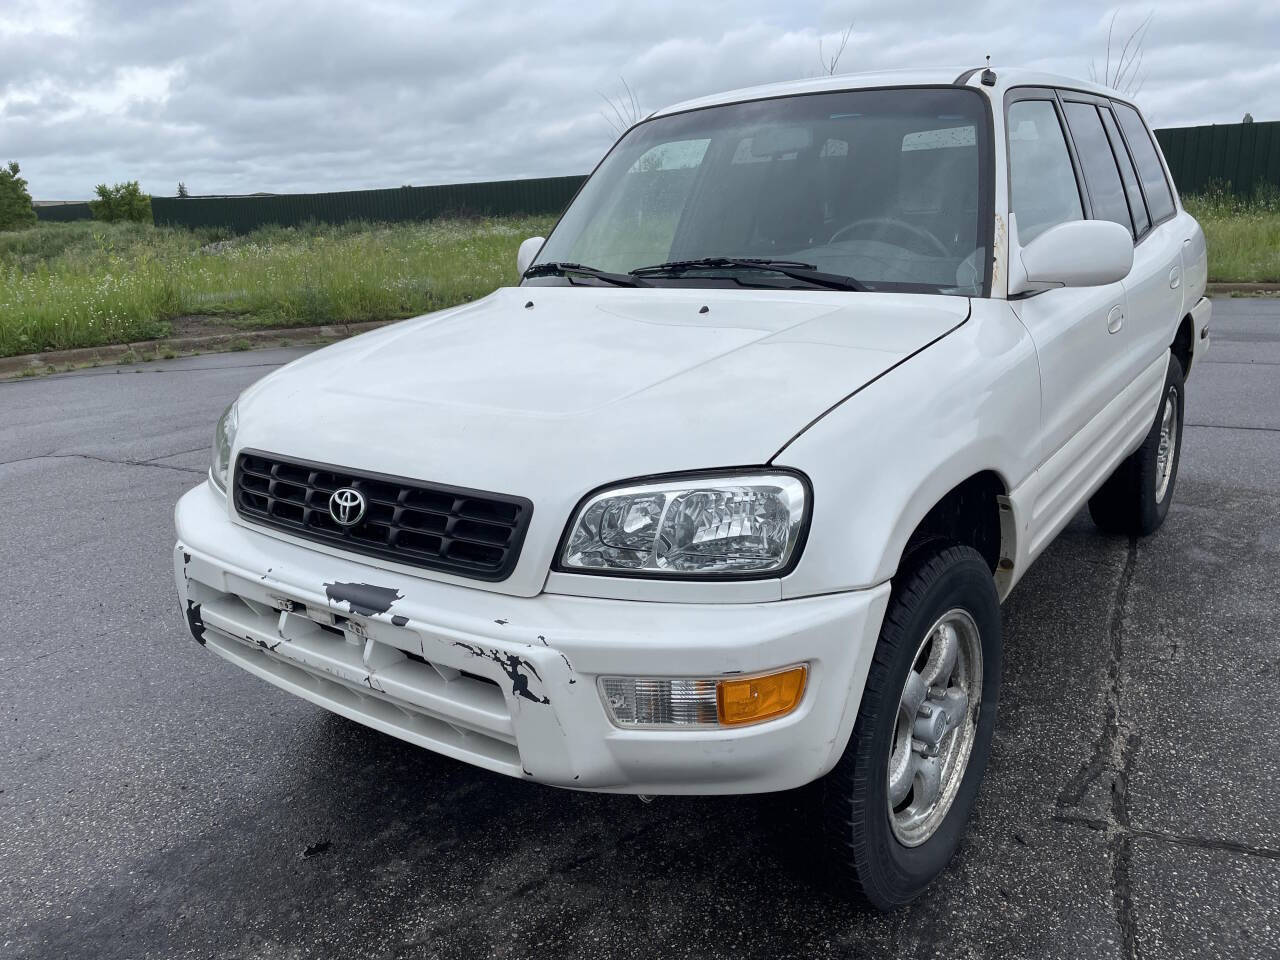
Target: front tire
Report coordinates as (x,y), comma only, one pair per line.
(895,805)
(1135,499)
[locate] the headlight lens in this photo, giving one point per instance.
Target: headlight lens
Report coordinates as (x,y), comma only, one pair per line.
(224,437)
(700,526)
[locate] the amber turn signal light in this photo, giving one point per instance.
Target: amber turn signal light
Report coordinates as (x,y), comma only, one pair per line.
(752,699)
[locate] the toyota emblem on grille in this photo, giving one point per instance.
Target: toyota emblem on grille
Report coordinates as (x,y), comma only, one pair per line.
(347,506)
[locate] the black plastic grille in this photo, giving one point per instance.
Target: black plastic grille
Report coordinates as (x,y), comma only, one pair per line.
(467,532)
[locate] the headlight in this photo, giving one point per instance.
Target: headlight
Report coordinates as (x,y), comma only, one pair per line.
(224,437)
(731,526)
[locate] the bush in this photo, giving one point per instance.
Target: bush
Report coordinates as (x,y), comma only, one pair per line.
(124,201)
(15,202)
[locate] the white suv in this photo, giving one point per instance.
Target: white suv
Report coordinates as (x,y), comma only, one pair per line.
(725,495)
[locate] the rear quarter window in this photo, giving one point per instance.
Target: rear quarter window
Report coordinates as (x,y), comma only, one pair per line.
(1137,208)
(1150,170)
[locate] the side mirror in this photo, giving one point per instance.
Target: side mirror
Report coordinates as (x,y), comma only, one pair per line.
(1079,253)
(528,250)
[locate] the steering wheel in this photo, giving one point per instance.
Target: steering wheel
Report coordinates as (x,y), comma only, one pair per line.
(900,225)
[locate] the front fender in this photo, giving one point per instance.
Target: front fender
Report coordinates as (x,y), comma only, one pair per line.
(881,460)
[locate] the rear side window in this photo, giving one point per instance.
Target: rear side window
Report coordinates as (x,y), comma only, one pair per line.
(1150,170)
(1106,193)
(1137,209)
(1042,183)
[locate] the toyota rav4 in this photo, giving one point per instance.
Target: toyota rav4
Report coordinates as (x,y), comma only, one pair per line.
(725,494)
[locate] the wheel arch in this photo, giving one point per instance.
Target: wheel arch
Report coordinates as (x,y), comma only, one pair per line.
(1184,344)
(975,512)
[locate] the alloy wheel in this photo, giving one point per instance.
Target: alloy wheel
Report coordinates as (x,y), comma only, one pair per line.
(1168,441)
(936,726)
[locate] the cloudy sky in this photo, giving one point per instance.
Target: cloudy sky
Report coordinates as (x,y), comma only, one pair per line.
(294,96)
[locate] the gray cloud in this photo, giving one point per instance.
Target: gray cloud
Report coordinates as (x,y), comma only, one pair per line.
(266,95)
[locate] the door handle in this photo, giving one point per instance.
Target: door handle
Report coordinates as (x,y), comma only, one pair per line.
(1175,278)
(1115,319)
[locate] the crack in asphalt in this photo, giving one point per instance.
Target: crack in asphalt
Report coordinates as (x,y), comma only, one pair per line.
(176,453)
(1113,751)
(1244,363)
(1182,839)
(1105,744)
(1230,426)
(123,463)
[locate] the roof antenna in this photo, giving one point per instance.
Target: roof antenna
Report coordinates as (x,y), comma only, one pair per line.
(988,77)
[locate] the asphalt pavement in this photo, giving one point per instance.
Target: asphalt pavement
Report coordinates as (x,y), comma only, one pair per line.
(156,802)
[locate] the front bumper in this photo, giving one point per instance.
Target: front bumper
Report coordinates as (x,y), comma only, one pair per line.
(509,683)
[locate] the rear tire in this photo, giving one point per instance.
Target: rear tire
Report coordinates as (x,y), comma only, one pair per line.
(1135,499)
(884,852)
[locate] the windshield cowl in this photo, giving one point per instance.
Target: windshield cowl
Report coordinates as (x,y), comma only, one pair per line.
(805,273)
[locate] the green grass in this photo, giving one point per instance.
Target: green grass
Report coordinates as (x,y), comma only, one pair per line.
(1243,233)
(88,284)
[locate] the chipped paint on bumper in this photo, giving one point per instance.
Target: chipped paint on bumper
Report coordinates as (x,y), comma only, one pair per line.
(509,683)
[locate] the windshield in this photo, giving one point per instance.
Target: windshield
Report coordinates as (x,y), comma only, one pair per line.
(887,187)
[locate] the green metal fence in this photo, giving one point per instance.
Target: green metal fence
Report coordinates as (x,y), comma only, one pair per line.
(496,198)
(1239,154)
(64,212)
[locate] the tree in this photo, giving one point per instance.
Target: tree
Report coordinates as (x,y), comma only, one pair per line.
(1123,72)
(830,64)
(1248,118)
(15,202)
(124,201)
(624,109)
(182,190)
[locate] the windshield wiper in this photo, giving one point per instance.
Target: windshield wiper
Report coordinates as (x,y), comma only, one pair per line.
(794,269)
(561,269)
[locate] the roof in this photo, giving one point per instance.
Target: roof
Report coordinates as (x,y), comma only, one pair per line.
(1006,77)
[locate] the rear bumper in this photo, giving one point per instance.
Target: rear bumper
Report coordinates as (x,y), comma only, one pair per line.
(508,683)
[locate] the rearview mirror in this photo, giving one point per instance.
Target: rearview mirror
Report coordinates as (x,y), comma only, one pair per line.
(1079,253)
(774,141)
(528,250)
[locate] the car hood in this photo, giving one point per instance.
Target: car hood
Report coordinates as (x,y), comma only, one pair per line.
(549,392)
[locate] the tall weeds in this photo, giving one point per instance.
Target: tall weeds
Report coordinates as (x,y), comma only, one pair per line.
(91,283)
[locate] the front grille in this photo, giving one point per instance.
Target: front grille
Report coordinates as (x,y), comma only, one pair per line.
(468,532)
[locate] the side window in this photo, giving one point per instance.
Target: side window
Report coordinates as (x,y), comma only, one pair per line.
(1106,192)
(1137,209)
(1150,170)
(1042,184)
